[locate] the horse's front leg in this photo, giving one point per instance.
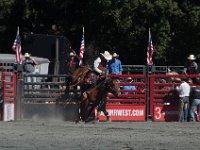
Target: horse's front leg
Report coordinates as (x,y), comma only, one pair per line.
(84,110)
(90,110)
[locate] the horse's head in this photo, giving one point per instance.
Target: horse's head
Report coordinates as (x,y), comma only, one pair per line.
(113,86)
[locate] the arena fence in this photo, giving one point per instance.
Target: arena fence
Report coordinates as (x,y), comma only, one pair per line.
(131,105)
(9,97)
(164,97)
(153,97)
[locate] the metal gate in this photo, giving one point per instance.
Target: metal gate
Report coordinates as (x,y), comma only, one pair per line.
(131,105)
(163,96)
(9,97)
(47,97)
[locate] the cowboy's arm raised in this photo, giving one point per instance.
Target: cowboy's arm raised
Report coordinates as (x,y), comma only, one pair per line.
(96,65)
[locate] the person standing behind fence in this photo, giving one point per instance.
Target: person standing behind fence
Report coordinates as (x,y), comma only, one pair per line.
(191,66)
(184,92)
(1,100)
(72,64)
(114,65)
(195,102)
(29,67)
(129,87)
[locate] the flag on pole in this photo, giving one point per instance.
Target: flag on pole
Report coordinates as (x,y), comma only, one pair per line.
(82,49)
(17,48)
(150,50)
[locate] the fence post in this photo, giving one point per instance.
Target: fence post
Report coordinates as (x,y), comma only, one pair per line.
(19,98)
(148,73)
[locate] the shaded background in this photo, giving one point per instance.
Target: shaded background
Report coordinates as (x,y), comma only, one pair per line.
(112,25)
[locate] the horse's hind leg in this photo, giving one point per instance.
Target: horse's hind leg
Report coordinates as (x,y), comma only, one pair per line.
(90,110)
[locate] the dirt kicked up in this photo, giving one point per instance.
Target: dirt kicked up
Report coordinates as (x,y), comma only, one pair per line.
(61,135)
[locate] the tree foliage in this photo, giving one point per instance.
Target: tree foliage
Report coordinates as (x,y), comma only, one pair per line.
(114,25)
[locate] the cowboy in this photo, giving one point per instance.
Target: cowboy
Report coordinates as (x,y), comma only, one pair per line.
(29,67)
(191,66)
(114,65)
(29,63)
(99,67)
(101,61)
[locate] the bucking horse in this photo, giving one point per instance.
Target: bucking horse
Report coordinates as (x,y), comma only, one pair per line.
(93,88)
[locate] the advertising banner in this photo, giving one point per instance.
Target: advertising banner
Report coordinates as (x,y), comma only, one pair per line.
(124,113)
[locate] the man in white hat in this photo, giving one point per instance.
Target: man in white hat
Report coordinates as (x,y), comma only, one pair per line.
(100,63)
(114,65)
(29,63)
(191,66)
(72,64)
(29,68)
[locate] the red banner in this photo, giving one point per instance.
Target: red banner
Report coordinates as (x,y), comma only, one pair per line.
(165,113)
(124,113)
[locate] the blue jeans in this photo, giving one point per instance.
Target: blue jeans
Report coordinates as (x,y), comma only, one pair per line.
(195,103)
(183,109)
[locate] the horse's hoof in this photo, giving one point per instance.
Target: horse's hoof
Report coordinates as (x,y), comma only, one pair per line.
(108,118)
(76,121)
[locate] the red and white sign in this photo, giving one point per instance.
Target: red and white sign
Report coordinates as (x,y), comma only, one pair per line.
(165,113)
(9,114)
(124,113)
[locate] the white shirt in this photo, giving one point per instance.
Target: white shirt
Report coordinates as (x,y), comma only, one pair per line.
(184,89)
(96,65)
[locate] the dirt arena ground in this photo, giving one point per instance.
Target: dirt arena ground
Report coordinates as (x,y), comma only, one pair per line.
(64,135)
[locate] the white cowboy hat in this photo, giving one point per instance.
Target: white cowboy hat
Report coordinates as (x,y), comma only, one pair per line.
(71,54)
(191,57)
(115,55)
(106,55)
(27,55)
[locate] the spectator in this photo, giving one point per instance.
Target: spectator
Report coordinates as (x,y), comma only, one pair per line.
(184,92)
(55,30)
(191,66)
(1,101)
(72,64)
(114,65)
(29,67)
(29,64)
(195,102)
(129,87)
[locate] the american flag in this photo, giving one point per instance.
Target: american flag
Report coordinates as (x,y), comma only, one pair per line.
(82,49)
(150,50)
(17,48)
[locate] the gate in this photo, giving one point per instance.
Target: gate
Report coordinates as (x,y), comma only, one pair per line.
(46,97)
(9,96)
(131,105)
(163,96)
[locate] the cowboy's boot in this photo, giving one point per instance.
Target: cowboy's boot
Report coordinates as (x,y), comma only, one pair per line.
(98,115)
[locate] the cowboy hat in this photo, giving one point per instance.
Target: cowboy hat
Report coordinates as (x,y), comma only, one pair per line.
(191,57)
(27,55)
(106,55)
(71,54)
(115,55)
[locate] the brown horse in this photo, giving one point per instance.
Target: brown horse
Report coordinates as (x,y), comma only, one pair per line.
(79,74)
(84,76)
(94,95)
